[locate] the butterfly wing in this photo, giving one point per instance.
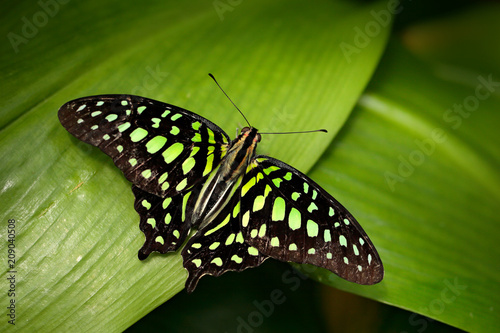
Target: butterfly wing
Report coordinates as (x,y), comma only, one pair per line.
(219,247)
(165,222)
(162,149)
(287,216)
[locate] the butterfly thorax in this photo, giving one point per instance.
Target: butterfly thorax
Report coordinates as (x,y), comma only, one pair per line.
(226,178)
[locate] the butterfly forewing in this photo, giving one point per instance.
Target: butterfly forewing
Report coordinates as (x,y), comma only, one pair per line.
(219,247)
(162,149)
(287,216)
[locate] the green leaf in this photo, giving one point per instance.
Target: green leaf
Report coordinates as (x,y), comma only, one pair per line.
(77,233)
(423,181)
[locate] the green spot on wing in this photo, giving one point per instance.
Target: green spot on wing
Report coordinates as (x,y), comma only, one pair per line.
(176,116)
(175,130)
(342,240)
(277,182)
(262,230)
(245,219)
(209,165)
(155,144)
(331,212)
(220,225)
(214,245)
(278,213)
(327,235)
(111,117)
(181,185)
(187,165)
(237,259)
(152,222)
(165,186)
(146,204)
(173,152)
(312,228)
(123,127)
(156,122)
(184,205)
(138,134)
(230,239)
(270,169)
(163,177)
(140,109)
(294,219)
(211,136)
(312,207)
(236,209)
(166,202)
(196,137)
(253,251)
(245,188)
(217,261)
(197,262)
(196,125)
(258,203)
(239,238)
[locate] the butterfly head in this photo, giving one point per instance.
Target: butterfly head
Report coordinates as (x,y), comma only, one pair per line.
(251,134)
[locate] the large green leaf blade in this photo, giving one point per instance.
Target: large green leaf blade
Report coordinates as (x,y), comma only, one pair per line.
(77,231)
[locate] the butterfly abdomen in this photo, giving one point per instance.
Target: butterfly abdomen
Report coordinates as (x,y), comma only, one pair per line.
(223,182)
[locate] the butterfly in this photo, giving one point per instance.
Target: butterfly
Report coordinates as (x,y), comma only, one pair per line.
(244,208)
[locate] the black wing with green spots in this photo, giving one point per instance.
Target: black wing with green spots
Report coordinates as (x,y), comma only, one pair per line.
(161,148)
(287,216)
(187,175)
(219,247)
(165,222)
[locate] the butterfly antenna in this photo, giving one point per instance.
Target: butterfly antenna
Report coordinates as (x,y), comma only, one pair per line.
(298,132)
(217,83)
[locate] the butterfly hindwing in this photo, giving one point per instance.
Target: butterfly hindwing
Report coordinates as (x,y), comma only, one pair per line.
(165,222)
(162,149)
(287,216)
(219,247)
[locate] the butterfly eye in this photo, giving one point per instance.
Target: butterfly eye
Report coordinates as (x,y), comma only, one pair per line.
(258,137)
(245,130)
